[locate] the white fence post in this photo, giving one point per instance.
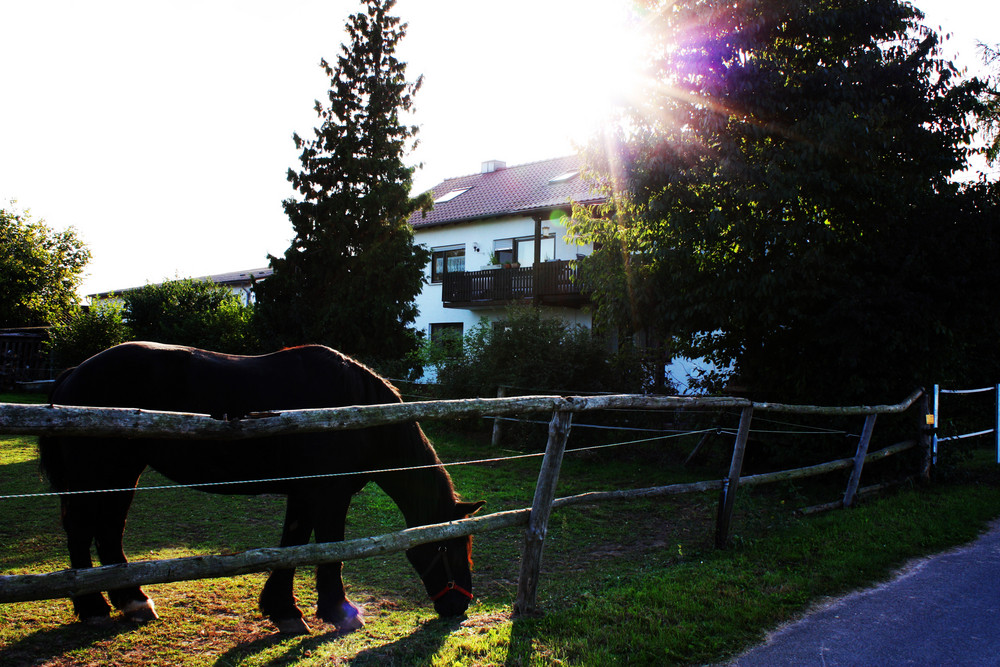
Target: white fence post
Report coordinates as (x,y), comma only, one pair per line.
(495,441)
(937,422)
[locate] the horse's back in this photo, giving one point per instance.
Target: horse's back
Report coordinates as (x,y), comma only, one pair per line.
(154,376)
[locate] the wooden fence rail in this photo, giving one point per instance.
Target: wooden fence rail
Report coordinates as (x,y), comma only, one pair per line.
(129,422)
(45,420)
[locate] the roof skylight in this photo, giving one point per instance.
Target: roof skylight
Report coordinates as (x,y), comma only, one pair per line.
(562,178)
(448,196)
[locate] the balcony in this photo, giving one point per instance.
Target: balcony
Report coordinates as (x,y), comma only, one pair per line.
(548,283)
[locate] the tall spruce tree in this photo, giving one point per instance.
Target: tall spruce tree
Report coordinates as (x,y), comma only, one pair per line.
(352,273)
(781,200)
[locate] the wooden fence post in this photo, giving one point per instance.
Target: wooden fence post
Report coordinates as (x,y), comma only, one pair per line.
(541,508)
(859,460)
(727,500)
(501,393)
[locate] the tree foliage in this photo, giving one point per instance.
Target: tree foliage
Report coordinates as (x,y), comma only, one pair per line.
(782,198)
(352,273)
(40,269)
(990,117)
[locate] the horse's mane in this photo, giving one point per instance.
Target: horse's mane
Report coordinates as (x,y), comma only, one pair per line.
(414,443)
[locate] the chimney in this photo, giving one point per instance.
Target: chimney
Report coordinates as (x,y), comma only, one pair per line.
(493,165)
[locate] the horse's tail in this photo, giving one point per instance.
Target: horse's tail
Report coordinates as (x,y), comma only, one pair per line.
(48,445)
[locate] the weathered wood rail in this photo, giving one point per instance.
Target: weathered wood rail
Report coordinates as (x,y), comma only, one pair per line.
(24,419)
(125,422)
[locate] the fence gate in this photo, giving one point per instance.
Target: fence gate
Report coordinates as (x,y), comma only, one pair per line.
(937,416)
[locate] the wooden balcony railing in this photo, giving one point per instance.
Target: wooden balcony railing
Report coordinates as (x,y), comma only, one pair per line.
(548,282)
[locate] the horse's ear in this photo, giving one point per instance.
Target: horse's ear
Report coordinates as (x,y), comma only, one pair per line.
(468,509)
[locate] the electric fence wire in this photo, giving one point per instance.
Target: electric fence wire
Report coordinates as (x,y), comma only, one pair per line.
(718,430)
(167,487)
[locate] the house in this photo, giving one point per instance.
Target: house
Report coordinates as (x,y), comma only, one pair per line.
(499,237)
(238,282)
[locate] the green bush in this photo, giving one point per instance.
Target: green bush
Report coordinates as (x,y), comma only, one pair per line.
(532,353)
(191,312)
(85,333)
(180,312)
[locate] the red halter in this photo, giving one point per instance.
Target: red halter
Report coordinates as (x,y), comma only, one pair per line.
(451,585)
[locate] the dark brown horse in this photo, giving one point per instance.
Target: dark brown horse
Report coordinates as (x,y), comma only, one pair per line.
(162,377)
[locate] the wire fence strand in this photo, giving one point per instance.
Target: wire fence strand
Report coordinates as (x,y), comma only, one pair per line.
(379,471)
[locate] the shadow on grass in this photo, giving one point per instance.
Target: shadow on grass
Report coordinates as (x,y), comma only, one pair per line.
(522,634)
(40,647)
(417,647)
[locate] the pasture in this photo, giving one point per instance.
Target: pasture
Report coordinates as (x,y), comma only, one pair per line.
(633,581)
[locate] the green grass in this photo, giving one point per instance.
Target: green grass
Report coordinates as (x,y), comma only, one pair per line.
(630,581)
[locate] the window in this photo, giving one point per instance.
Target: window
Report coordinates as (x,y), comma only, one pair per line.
(504,250)
(448,337)
(448,196)
(449,259)
(522,250)
(564,178)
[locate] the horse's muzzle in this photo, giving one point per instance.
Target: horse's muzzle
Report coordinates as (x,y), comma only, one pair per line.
(452,603)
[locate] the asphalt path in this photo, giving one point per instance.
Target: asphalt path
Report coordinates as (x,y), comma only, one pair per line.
(941,610)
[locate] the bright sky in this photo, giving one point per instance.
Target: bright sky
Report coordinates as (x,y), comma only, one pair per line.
(162,130)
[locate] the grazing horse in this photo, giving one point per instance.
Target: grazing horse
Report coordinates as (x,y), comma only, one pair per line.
(182,379)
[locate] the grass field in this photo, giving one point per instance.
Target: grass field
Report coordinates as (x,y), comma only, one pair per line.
(634,582)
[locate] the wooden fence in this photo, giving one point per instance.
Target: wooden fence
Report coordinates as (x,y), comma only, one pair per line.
(21,358)
(50,420)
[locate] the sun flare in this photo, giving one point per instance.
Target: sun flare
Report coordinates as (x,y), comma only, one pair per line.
(607,49)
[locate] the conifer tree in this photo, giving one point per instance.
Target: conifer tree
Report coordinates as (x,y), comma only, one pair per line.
(352,272)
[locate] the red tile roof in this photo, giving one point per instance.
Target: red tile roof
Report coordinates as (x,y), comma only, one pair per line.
(520,189)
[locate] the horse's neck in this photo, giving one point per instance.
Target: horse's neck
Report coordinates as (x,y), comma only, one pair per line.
(425,494)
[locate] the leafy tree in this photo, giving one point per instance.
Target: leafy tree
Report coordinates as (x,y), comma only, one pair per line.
(352,273)
(782,193)
(990,117)
(40,269)
(190,312)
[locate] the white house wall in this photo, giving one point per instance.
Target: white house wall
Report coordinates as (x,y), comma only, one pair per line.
(481,235)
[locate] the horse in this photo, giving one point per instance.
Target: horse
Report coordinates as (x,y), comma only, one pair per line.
(174,378)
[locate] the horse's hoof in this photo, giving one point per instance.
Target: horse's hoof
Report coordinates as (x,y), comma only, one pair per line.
(140,611)
(351,623)
(347,619)
(291,626)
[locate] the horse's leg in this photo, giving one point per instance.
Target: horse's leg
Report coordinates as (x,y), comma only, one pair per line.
(333,605)
(78,512)
(113,510)
(277,599)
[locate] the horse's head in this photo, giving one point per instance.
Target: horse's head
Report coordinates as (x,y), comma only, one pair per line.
(446,568)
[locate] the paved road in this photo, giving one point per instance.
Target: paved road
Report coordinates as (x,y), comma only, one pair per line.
(942,610)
